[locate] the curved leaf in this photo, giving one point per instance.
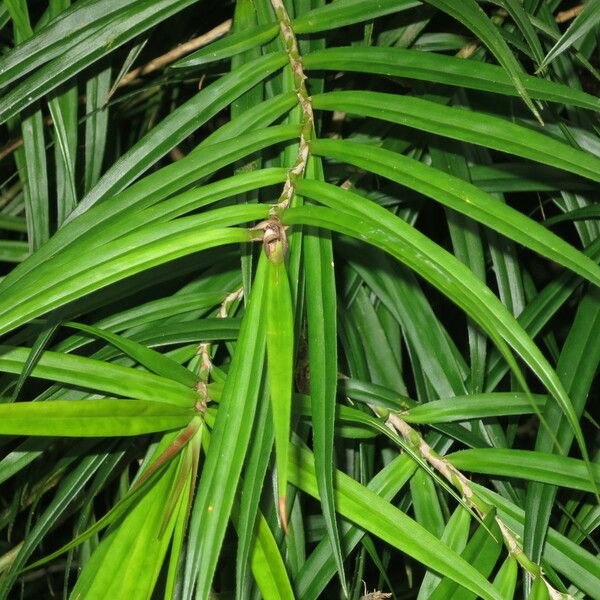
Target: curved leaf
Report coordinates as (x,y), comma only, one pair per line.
(585,22)
(476,406)
(372,513)
(427,66)
(463,197)
(441,269)
(537,466)
(468,126)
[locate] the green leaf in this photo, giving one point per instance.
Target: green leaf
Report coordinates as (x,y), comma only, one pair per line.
(90,45)
(150,312)
(39,346)
(324,18)
(259,455)
(506,578)
(463,197)
(267,564)
(233,44)
(469,13)
(225,457)
(372,513)
(56,36)
(94,374)
(585,212)
(577,367)
(457,282)
(320,566)
(537,466)
(573,561)
(427,66)
(542,308)
(153,361)
(583,24)
(440,360)
(475,406)
(481,552)
(383,366)
(117,260)
(152,470)
(137,545)
(280,369)
(24,454)
(347,12)
(426,504)
(63,109)
(33,171)
(92,418)
(71,487)
(31,159)
(179,125)
(523,22)
(96,125)
(111,218)
(322,353)
(11,223)
(467,243)
(12,251)
(465,125)
(456,535)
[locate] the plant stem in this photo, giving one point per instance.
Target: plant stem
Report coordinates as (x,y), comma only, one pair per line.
(307,125)
(204,347)
(482,508)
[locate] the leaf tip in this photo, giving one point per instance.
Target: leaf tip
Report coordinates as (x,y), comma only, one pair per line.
(283,514)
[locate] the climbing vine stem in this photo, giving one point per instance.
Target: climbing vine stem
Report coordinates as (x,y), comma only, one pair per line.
(304,101)
(204,351)
(482,508)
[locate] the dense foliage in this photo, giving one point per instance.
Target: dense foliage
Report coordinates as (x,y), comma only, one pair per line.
(299,299)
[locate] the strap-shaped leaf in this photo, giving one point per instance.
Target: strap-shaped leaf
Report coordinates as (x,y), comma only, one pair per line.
(465,125)
(232,45)
(179,125)
(154,361)
(91,45)
(280,369)
(538,466)
(118,260)
(92,418)
(584,23)
(31,160)
(568,558)
(70,489)
(440,268)
(110,218)
(577,367)
(475,406)
(324,18)
(138,545)
(228,446)
(428,66)
(374,514)
(322,347)
(522,21)
(98,375)
(56,37)
(471,15)
(463,197)
(481,552)
(320,565)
